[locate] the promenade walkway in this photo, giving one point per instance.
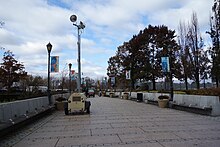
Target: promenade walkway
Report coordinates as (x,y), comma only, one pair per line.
(120,123)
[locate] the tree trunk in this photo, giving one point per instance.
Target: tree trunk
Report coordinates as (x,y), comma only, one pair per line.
(186,82)
(154,82)
(132,83)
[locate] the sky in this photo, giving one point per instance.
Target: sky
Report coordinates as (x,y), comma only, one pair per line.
(30,24)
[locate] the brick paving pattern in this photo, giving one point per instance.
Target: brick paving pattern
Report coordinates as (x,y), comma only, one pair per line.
(120,123)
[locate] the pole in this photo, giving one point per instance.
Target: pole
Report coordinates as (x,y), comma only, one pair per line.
(171,77)
(48,80)
(70,78)
(79,63)
(73,19)
(171,85)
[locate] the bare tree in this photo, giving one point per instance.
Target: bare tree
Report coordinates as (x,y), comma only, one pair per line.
(2,23)
(194,59)
(184,53)
(193,44)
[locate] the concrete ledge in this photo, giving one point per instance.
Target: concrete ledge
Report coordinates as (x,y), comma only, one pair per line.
(16,109)
(194,109)
(14,115)
(198,102)
(208,105)
(153,102)
(13,125)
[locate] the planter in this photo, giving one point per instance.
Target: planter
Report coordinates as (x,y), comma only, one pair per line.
(103,93)
(59,106)
(111,94)
(162,103)
(125,96)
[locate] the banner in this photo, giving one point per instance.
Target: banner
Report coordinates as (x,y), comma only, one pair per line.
(113,80)
(165,64)
(128,74)
(104,80)
(75,76)
(72,72)
(54,63)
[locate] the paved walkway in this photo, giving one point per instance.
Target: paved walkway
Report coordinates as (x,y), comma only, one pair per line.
(120,123)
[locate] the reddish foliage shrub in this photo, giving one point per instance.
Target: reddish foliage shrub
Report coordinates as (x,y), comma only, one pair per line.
(206,91)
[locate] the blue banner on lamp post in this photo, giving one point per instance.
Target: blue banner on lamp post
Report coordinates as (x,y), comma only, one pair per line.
(54,63)
(165,64)
(113,80)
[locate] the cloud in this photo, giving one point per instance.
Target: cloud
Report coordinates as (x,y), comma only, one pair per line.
(181,11)
(9,38)
(31,24)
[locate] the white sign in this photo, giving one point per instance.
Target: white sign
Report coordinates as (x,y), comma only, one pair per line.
(128,74)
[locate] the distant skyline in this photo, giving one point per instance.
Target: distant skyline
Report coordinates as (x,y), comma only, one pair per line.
(30,24)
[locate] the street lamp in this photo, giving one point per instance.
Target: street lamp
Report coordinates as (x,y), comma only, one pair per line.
(171,73)
(80,26)
(125,53)
(49,48)
(167,68)
(70,65)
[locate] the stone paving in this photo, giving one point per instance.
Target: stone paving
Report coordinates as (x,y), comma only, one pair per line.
(120,123)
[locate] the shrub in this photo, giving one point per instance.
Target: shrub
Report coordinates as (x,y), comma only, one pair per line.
(205,91)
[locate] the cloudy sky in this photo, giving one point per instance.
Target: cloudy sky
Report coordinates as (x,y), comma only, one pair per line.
(30,24)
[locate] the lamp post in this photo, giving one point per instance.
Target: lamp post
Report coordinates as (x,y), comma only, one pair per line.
(79,26)
(49,48)
(70,65)
(171,73)
(124,52)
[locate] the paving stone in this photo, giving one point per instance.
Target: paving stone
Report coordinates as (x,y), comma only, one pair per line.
(132,137)
(37,143)
(62,133)
(117,131)
(192,143)
(88,140)
(120,123)
(137,144)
